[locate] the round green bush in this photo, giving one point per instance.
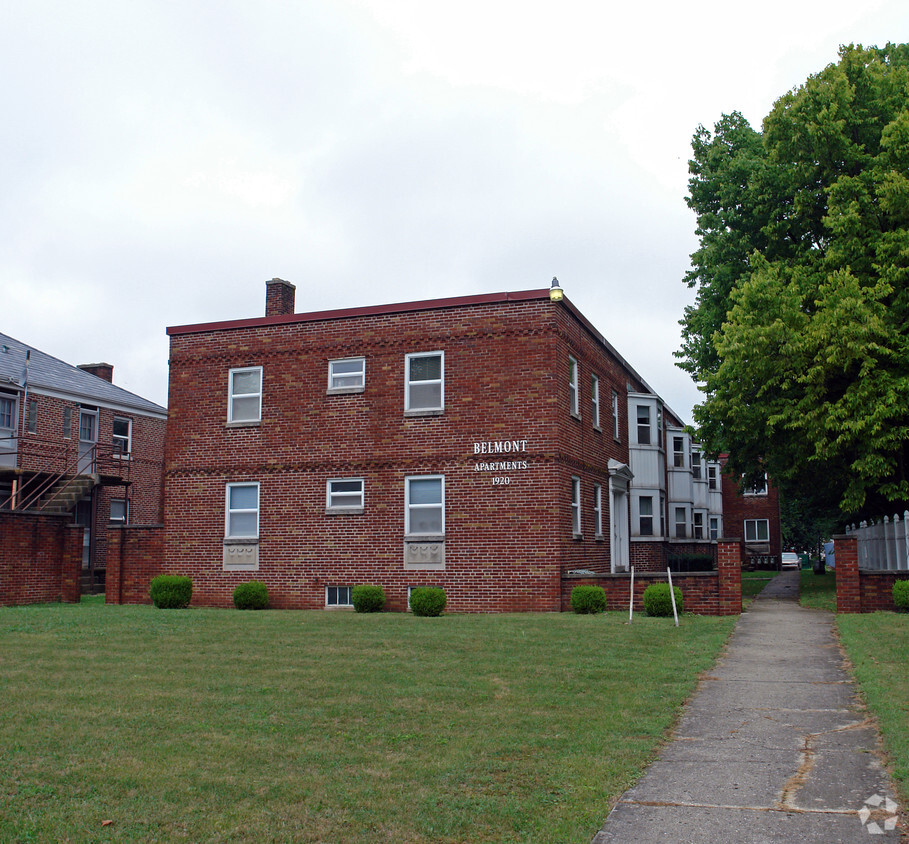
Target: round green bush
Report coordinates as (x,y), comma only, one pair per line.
(251,596)
(588,599)
(901,595)
(427,600)
(367,598)
(657,600)
(171,591)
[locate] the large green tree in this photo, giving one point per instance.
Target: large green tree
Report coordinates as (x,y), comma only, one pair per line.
(799,334)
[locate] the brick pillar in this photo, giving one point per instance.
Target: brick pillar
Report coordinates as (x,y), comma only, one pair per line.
(113,579)
(848,583)
(71,565)
(729,576)
(279,297)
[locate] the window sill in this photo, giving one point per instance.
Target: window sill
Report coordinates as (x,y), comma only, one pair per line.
(577,536)
(575,415)
(424,537)
(597,428)
(344,511)
(344,391)
(599,537)
(255,423)
(436,412)
(241,540)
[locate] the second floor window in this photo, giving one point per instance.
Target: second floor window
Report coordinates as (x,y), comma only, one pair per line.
(424,388)
(122,435)
(712,478)
(347,375)
(345,493)
(573,386)
(678,452)
(758,488)
(696,465)
(245,399)
(643,424)
(595,399)
(7,413)
(615,414)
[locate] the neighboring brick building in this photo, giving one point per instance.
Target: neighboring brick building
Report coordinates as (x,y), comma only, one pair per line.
(74,444)
(480,443)
(753,514)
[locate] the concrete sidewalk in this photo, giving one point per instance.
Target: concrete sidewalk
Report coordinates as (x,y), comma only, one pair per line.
(773,747)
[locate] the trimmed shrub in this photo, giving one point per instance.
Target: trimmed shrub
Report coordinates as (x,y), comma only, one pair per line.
(428,600)
(657,600)
(588,599)
(901,595)
(251,596)
(367,598)
(171,591)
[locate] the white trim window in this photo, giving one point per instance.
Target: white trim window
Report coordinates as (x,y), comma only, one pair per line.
(244,402)
(338,596)
(662,514)
(597,510)
(119,511)
(344,494)
(645,512)
(122,436)
(643,419)
(696,464)
(7,414)
(347,375)
(681,523)
(712,478)
(714,527)
(241,518)
(757,530)
(576,506)
(424,382)
(698,525)
(573,387)
(595,399)
(759,488)
(678,452)
(424,505)
(32,410)
(615,415)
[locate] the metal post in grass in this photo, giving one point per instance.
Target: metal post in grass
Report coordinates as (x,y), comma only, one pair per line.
(675,614)
(631,598)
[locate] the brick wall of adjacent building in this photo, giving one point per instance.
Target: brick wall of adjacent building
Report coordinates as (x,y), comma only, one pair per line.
(861,590)
(40,558)
(738,507)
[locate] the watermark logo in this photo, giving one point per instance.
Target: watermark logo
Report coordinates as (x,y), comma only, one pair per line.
(881,809)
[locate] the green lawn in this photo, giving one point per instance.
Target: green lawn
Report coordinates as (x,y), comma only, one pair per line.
(878,647)
(753,582)
(818,590)
(217,725)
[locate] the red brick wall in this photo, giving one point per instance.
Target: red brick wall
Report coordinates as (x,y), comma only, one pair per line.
(506,378)
(861,590)
(135,556)
(737,508)
(40,559)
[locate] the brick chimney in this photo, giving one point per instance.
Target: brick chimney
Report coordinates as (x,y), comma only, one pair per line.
(101,370)
(279,297)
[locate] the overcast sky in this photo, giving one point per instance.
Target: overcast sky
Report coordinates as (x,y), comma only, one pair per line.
(161,160)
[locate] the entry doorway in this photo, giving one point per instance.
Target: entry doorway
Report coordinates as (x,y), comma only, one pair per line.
(619,547)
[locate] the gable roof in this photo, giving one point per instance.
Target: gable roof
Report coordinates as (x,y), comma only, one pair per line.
(51,376)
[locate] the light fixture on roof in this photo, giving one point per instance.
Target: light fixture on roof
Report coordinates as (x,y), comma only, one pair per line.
(555,292)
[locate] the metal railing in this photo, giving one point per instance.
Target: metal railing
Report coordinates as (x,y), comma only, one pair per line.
(883,544)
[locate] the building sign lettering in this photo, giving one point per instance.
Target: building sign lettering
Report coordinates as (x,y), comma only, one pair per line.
(500,447)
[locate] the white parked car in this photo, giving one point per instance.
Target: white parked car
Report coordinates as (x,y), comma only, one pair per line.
(790,560)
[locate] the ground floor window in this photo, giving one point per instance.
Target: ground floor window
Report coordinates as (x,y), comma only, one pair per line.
(118,510)
(698,525)
(242,517)
(714,527)
(645,508)
(424,513)
(681,523)
(576,506)
(757,530)
(337,596)
(598,510)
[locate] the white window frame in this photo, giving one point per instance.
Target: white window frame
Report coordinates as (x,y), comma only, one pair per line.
(332,495)
(408,404)
(12,403)
(597,510)
(755,490)
(574,374)
(595,399)
(351,381)
(575,505)
(338,594)
(233,396)
(697,525)
(677,524)
(714,527)
(31,409)
(678,452)
(662,514)
(754,530)
(696,464)
(127,449)
(642,515)
(408,506)
(616,433)
(647,426)
(712,478)
(125,518)
(228,512)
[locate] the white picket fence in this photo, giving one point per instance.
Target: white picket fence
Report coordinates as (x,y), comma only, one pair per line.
(883,545)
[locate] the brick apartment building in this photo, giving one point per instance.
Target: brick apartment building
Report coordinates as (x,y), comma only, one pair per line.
(487,444)
(75,446)
(753,513)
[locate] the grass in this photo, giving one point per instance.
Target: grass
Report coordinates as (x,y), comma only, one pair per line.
(878,647)
(753,582)
(218,725)
(818,590)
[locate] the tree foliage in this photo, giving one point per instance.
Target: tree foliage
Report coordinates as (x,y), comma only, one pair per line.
(799,333)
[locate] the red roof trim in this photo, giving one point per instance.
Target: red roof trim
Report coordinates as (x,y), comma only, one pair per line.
(371,310)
